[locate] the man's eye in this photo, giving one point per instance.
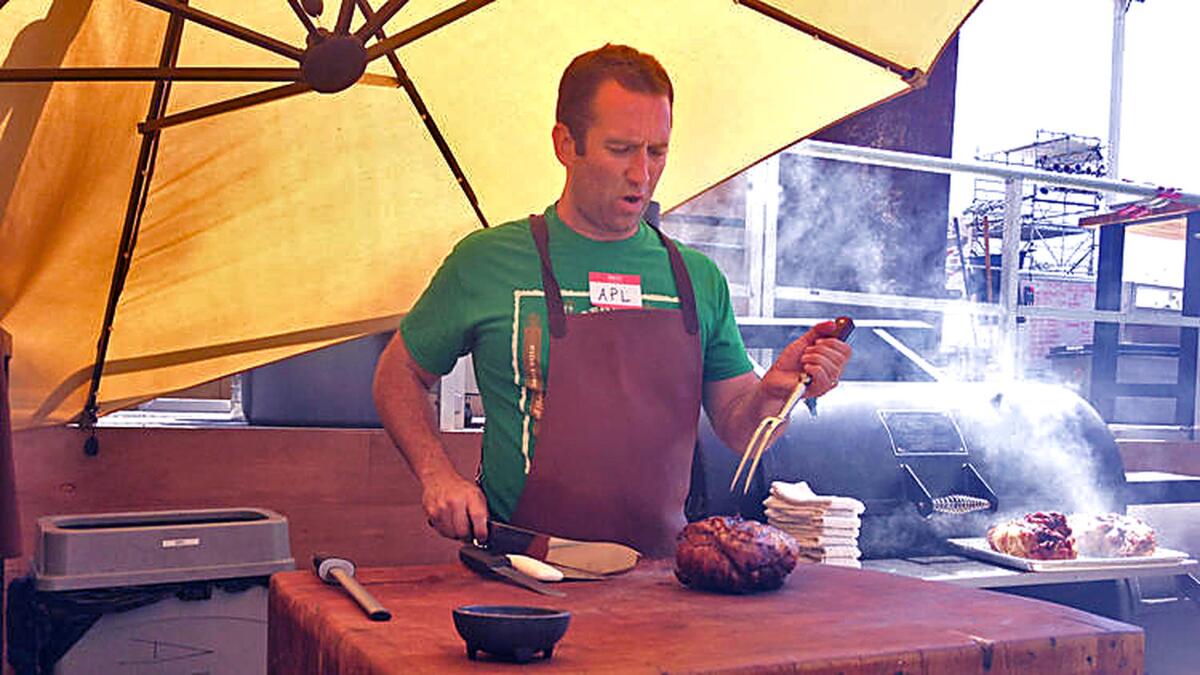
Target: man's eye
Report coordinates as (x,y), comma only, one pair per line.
(620,149)
(658,152)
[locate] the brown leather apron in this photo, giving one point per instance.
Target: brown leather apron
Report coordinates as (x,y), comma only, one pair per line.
(614,448)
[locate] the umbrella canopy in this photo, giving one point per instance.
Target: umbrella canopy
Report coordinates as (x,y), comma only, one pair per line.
(167,169)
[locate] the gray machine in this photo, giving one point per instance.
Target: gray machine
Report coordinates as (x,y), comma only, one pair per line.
(163,592)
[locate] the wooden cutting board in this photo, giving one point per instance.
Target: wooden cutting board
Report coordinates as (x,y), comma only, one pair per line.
(824,619)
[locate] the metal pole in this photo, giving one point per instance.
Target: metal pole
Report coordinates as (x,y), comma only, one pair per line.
(1115,90)
(755,239)
(770,188)
(1189,338)
(1010,264)
(934,164)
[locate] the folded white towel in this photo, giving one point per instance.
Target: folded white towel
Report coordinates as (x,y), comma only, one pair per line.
(800,515)
(782,518)
(800,494)
(808,540)
(842,552)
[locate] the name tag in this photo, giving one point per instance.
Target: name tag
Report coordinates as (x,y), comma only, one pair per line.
(615,291)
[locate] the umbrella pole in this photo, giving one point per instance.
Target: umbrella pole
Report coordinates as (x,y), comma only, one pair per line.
(133,215)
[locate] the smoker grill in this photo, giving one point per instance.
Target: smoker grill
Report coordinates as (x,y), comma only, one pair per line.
(906,448)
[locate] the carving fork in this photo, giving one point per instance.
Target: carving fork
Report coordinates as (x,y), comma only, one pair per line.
(766,428)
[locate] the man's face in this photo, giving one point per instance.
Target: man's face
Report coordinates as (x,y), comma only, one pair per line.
(609,186)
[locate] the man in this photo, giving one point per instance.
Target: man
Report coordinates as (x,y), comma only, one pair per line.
(595,340)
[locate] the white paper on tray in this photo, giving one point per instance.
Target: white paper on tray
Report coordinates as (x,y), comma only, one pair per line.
(978,547)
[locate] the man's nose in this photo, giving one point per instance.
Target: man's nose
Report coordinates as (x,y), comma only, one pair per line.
(638,170)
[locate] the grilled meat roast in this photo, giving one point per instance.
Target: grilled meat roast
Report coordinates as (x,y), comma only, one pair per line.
(1112,535)
(1037,536)
(732,555)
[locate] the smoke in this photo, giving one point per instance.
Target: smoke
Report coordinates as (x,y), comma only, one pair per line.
(1040,436)
(853,227)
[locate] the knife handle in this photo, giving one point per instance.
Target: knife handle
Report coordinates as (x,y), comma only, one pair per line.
(491,564)
(845,327)
(534,568)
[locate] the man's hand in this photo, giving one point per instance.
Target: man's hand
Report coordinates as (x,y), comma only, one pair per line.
(455,506)
(817,353)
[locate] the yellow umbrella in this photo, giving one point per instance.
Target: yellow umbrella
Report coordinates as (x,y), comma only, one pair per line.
(179,203)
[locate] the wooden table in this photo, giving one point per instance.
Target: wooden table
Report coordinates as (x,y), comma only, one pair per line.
(824,619)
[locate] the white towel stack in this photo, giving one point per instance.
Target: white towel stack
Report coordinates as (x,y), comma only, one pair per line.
(826,527)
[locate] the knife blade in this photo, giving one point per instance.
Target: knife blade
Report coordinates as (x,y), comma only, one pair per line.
(593,557)
(487,562)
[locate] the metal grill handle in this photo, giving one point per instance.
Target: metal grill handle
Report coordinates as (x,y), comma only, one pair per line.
(959,504)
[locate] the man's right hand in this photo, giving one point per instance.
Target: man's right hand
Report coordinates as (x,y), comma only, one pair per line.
(456,507)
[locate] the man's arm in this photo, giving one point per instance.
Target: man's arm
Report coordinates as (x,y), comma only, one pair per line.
(736,405)
(455,506)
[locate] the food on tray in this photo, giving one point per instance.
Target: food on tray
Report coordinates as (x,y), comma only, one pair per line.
(1111,535)
(733,555)
(1037,536)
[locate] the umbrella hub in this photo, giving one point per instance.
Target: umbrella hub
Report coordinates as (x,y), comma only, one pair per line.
(333,62)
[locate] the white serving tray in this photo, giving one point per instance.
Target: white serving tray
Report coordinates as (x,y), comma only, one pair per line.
(978,547)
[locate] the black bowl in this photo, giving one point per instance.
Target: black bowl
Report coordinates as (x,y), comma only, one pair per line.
(510,632)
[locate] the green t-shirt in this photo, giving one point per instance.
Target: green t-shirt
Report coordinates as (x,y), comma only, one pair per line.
(481,297)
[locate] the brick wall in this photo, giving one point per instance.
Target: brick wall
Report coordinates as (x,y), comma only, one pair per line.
(1041,335)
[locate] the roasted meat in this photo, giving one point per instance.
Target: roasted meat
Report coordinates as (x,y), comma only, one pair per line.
(733,555)
(1112,535)
(1037,536)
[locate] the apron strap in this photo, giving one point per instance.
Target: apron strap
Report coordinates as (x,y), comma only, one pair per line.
(683,284)
(554,303)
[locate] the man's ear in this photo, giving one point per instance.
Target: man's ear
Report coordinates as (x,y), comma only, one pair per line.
(564,144)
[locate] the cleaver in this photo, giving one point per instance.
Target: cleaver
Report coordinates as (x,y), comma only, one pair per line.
(594,559)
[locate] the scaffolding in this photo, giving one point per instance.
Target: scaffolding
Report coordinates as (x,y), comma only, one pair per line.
(1051,239)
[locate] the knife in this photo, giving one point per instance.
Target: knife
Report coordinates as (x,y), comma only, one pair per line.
(591,558)
(487,562)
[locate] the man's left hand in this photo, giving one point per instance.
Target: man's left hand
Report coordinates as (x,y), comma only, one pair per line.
(817,353)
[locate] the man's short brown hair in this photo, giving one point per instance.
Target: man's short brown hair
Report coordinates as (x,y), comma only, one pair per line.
(627,66)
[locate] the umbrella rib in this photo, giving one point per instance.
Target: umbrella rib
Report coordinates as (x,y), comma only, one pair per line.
(912,76)
(231,29)
(377,21)
(369,14)
(438,139)
(425,27)
(237,103)
(138,192)
(344,15)
(133,74)
(304,19)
